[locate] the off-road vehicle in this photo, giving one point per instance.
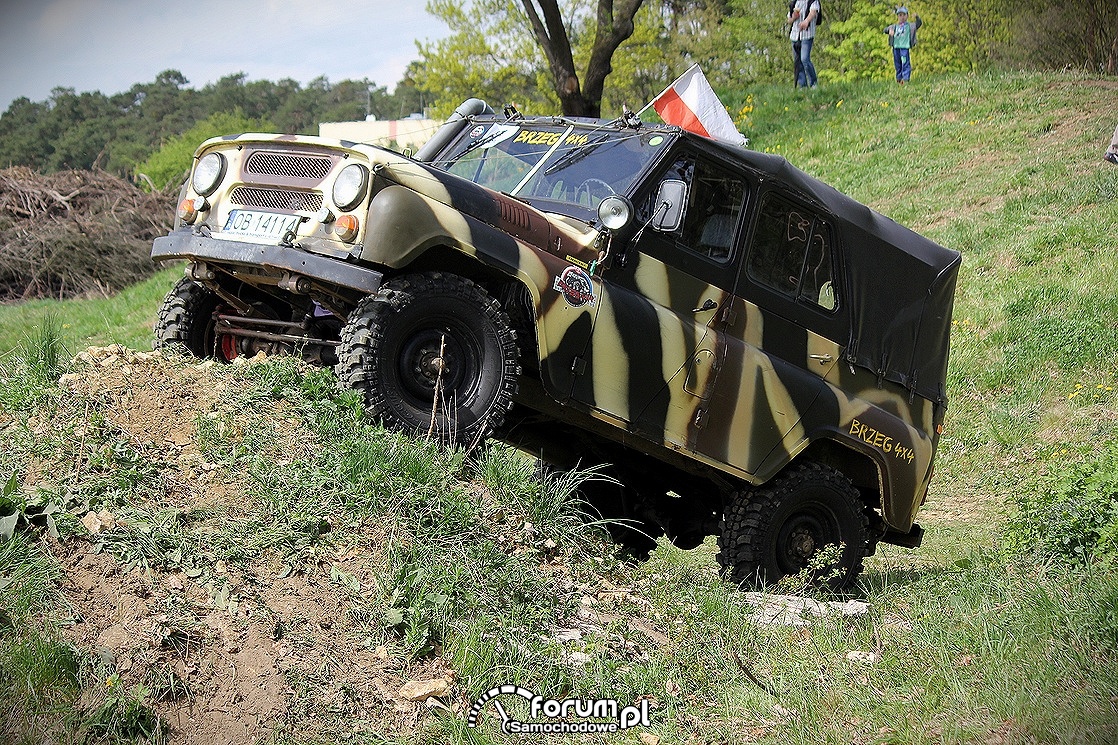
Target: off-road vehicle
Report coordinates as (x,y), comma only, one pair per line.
(755,355)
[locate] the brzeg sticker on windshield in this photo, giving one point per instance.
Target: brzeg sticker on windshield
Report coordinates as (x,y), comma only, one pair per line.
(535,137)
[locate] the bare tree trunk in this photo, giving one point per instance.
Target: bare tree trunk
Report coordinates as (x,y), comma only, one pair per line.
(614,26)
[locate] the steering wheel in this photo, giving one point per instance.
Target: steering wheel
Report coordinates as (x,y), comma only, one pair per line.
(593,187)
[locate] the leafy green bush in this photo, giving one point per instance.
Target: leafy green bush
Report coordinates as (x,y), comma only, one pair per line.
(171,163)
(1070,513)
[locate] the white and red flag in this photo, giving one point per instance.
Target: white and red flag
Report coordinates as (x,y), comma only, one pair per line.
(690,103)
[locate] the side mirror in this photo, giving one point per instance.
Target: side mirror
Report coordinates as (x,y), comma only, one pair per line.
(671,199)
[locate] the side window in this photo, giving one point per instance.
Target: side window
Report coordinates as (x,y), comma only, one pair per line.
(792,253)
(714,204)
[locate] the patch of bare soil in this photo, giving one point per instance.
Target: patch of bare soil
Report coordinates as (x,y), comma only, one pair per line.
(235,655)
(288,657)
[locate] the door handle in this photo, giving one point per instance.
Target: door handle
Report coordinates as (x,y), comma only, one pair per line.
(822,359)
(708,305)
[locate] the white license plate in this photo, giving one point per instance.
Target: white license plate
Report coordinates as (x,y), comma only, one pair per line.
(260,226)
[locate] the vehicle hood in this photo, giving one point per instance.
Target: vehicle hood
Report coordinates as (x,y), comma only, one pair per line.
(510,215)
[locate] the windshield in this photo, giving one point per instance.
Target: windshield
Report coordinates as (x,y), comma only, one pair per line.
(575,165)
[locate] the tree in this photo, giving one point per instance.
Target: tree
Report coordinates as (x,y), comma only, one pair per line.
(1075,33)
(759,39)
(22,140)
(171,163)
(491,52)
(494,53)
(669,37)
(613,26)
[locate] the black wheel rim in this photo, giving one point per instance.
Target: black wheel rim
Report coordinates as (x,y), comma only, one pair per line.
(443,354)
(801,536)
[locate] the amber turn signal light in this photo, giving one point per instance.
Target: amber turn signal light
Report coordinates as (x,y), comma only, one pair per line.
(346,227)
(189,208)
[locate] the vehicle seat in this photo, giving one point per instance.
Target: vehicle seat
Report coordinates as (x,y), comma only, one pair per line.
(717,235)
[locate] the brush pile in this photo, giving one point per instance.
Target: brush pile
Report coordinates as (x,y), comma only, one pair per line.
(76,233)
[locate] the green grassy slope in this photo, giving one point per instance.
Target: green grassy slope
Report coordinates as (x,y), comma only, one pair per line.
(126,318)
(473,565)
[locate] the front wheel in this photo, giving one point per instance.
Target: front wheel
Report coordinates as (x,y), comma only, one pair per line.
(432,354)
(778,529)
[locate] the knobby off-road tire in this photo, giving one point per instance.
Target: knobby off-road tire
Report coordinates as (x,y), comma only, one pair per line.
(421,331)
(185,320)
(773,531)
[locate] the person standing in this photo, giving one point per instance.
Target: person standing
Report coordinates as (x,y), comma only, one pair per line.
(1111,154)
(802,15)
(902,37)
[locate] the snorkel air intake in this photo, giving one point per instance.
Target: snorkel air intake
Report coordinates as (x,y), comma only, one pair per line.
(453,126)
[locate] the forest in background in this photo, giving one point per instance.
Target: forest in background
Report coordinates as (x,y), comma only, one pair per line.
(492,53)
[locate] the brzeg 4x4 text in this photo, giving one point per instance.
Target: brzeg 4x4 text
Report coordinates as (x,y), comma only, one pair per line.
(754,354)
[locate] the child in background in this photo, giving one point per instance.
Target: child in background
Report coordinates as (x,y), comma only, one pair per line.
(902,37)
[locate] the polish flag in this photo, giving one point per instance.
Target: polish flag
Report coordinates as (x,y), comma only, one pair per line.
(690,103)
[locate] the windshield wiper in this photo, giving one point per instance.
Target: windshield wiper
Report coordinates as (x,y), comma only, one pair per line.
(472,147)
(575,155)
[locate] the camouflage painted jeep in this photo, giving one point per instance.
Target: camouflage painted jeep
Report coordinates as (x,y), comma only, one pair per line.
(756,355)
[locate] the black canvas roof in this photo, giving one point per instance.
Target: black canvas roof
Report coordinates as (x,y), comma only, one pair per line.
(901,284)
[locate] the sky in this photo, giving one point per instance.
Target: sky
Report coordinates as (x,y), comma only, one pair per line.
(109,45)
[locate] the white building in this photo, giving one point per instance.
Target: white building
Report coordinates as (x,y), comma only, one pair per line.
(399,134)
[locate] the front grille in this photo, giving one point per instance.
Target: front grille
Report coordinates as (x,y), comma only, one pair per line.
(286,200)
(292,165)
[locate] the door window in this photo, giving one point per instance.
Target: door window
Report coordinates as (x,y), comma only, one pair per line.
(792,253)
(714,203)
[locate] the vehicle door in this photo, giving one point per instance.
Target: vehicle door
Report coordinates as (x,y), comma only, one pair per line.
(655,348)
(783,328)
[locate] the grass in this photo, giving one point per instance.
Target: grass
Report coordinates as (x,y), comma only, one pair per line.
(480,566)
(126,318)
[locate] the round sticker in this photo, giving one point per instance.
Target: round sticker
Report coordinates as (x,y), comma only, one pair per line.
(576,286)
(476,131)
(655,140)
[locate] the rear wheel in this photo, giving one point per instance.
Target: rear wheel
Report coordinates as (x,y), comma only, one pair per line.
(432,353)
(778,529)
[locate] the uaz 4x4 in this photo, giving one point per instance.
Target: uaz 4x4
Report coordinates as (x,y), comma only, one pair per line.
(756,355)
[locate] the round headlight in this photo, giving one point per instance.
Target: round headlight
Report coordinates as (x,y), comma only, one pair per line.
(615,212)
(208,173)
(349,186)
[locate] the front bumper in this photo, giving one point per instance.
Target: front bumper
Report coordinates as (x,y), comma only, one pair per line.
(190,246)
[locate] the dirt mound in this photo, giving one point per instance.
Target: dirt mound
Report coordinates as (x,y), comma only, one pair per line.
(224,653)
(76,233)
